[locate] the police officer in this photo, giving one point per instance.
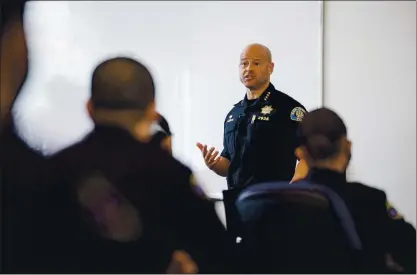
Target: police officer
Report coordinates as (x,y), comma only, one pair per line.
(388,240)
(38,213)
(260,131)
(139,203)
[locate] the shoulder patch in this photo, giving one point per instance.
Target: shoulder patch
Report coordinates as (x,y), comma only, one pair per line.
(297,114)
(196,188)
(392,212)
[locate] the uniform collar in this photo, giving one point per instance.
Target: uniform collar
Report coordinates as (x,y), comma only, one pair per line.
(326,176)
(265,98)
(112,131)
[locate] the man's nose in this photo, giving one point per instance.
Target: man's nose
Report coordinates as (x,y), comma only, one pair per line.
(248,68)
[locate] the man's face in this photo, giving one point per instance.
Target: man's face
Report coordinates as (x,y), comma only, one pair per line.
(14,62)
(255,67)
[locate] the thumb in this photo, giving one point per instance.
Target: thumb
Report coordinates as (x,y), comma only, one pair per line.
(200,146)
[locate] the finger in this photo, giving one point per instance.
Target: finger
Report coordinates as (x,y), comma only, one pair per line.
(214,156)
(209,154)
(213,163)
(200,146)
(204,151)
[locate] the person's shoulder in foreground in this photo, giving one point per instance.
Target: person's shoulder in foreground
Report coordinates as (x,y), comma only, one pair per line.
(387,223)
(169,184)
(24,171)
(144,173)
(384,233)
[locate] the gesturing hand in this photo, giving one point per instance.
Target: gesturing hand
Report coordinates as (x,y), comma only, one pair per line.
(210,156)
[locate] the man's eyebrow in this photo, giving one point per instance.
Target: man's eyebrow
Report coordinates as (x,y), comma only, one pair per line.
(257,59)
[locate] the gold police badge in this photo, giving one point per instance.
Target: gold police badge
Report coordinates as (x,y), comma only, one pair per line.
(267,110)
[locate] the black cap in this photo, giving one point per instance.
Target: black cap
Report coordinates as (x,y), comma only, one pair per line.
(320,131)
(122,84)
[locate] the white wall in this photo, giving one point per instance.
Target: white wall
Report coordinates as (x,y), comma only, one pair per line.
(369,72)
(370,79)
(192,49)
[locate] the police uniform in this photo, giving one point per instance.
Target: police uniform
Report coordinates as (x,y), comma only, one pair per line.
(172,208)
(382,230)
(260,138)
(23,181)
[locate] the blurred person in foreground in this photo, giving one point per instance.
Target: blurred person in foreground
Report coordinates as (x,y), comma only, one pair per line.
(137,204)
(29,202)
(389,241)
(22,170)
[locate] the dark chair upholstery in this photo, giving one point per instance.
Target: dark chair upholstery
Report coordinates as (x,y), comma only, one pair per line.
(294,230)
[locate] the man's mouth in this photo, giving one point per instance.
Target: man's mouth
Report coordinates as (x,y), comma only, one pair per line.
(248,77)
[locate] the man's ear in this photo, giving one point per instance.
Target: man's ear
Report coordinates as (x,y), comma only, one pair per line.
(271,68)
(349,146)
(151,113)
(90,108)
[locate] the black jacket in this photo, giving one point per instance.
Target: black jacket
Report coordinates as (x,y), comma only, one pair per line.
(24,189)
(45,229)
(173,210)
(381,228)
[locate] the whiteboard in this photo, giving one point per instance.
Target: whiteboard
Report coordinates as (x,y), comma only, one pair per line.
(191,48)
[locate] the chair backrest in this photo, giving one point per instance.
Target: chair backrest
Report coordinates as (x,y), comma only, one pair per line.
(299,228)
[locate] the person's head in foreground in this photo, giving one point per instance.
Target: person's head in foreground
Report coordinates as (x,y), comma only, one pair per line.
(324,142)
(123,95)
(13,53)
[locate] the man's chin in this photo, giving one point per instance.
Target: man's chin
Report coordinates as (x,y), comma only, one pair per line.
(250,86)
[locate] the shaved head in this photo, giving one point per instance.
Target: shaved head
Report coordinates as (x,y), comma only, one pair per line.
(122,83)
(122,92)
(256,66)
(259,49)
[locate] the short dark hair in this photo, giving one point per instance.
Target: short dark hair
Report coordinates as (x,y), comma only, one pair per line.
(122,83)
(320,132)
(10,9)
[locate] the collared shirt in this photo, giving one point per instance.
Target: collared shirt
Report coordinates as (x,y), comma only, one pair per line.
(381,228)
(260,138)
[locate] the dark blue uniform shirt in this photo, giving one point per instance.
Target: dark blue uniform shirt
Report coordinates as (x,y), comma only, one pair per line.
(260,138)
